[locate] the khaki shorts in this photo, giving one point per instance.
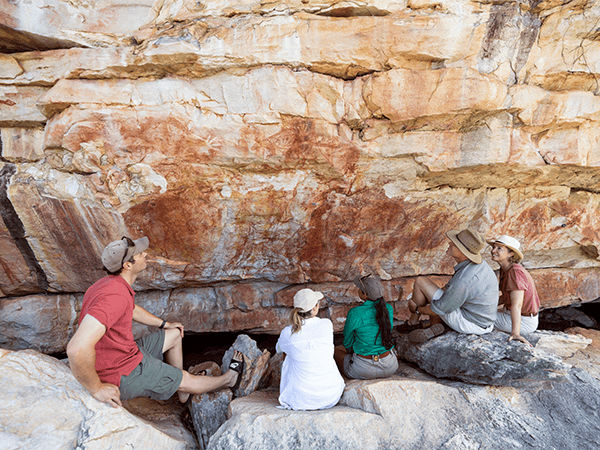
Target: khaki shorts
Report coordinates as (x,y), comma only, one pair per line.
(152,377)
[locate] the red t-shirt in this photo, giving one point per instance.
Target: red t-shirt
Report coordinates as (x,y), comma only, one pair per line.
(111,300)
(516,278)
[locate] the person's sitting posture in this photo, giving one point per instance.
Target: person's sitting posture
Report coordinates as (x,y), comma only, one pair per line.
(368,350)
(468,303)
(518,294)
(103,355)
(309,377)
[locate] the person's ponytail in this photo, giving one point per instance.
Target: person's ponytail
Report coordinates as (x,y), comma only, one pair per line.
(297,319)
(382,318)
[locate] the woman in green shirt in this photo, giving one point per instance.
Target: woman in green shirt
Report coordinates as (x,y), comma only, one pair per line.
(368,334)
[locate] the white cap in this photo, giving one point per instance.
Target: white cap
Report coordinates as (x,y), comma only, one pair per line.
(306,299)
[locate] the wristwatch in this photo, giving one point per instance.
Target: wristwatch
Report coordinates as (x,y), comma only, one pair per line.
(162,325)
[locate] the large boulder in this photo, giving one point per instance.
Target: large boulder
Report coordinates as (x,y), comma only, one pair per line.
(420,412)
(491,359)
(42,406)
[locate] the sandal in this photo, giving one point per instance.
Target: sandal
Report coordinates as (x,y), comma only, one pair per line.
(237,366)
(420,336)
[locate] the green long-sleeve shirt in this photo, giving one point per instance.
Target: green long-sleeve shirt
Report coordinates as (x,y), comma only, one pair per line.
(361,329)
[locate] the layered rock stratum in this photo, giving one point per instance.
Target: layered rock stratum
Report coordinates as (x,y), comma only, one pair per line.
(264,146)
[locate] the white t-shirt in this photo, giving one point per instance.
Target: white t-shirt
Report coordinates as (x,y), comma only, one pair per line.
(310,378)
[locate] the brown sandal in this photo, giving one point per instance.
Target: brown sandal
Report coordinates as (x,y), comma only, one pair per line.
(423,335)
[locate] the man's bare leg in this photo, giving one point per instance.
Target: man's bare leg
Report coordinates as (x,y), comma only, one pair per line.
(423,291)
(200,384)
(173,353)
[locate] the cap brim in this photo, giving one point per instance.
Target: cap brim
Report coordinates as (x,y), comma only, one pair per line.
(141,245)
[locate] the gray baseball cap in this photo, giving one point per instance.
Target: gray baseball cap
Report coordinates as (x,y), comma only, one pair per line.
(118,252)
(371,285)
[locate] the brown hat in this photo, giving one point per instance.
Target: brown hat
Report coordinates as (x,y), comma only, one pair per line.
(371,285)
(118,252)
(469,242)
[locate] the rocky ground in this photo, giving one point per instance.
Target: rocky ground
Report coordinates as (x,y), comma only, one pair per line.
(444,396)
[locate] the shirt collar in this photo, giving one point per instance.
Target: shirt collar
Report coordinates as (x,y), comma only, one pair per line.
(462,264)
(120,279)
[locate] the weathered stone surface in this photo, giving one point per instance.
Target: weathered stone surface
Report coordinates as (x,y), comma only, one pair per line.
(209,412)
(363,44)
(170,10)
(43,196)
(18,106)
(587,358)
(423,413)
(566,55)
(165,416)
(41,322)
(22,144)
(560,344)
(43,406)
(255,364)
(340,427)
(43,25)
(488,359)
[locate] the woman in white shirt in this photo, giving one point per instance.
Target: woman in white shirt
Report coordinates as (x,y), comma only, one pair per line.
(310,378)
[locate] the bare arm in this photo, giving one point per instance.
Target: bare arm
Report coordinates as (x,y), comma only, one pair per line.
(516,304)
(82,360)
(142,316)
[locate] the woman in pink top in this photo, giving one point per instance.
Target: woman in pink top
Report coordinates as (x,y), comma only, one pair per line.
(517,290)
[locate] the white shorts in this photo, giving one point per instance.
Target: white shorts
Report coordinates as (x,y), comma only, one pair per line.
(504,323)
(457,321)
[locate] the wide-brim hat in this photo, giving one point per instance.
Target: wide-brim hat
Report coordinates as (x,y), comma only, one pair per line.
(469,242)
(509,242)
(371,285)
(118,252)
(306,299)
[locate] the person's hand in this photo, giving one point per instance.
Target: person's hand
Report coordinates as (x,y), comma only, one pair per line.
(108,393)
(518,337)
(174,325)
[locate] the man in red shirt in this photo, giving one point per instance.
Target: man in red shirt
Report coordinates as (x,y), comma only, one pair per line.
(103,355)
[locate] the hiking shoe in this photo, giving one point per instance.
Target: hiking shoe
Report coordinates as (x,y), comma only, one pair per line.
(420,336)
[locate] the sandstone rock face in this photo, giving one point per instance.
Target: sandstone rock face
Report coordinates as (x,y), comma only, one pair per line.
(264,146)
(43,406)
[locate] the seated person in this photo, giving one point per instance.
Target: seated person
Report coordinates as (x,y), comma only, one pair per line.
(468,303)
(106,360)
(517,290)
(309,377)
(368,350)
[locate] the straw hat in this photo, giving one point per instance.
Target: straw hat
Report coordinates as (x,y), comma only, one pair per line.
(469,242)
